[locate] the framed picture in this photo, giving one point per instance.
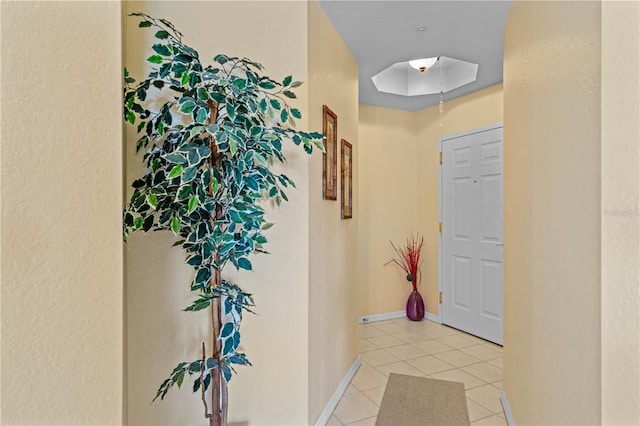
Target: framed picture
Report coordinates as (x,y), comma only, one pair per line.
(347,179)
(330,155)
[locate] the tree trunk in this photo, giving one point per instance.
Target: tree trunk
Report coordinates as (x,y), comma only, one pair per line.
(219,397)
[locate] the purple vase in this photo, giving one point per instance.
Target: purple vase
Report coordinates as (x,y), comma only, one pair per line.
(415,306)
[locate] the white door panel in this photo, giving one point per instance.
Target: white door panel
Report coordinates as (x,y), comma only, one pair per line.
(471,196)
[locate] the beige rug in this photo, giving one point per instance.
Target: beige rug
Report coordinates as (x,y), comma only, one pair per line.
(413,401)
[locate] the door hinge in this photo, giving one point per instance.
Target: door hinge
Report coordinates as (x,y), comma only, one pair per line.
(440,297)
(440,227)
(440,157)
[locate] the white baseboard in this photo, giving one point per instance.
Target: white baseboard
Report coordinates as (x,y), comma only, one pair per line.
(324,416)
(394,315)
(507,409)
(432,317)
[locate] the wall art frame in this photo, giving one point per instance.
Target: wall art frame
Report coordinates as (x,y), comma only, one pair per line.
(329,157)
(346,174)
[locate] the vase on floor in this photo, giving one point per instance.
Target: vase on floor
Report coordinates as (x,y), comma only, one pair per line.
(415,306)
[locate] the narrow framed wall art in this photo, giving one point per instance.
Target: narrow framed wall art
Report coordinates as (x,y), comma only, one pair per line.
(346,174)
(330,155)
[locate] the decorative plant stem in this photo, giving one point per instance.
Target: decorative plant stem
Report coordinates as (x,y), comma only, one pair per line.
(408,258)
(209,148)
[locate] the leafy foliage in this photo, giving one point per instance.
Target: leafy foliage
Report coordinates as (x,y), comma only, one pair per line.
(210,135)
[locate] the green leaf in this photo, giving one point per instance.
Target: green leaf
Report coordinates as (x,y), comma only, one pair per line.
(233,146)
(162,34)
(193,204)
(180,379)
(227,329)
(144,24)
(148,223)
(296,84)
(185,79)
(138,222)
(201,115)
(202,94)
(287,80)
(196,385)
(221,59)
(189,174)
(176,158)
(296,113)
(155,59)
(289,94)
(275,103)
(231,111)
(263,105)
(245,263)
(175,172)
(187,107)
(267,84)
(175,225)
(161,49)
(183,192)
(284,115)
(152,200)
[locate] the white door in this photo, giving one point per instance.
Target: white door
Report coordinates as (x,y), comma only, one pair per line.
(471,240)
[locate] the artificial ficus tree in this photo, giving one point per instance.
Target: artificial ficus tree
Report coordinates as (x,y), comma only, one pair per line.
(210,136)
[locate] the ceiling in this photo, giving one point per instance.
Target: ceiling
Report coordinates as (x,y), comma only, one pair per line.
(379,33)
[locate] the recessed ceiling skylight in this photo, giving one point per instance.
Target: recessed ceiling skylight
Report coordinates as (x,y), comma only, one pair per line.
(425,76)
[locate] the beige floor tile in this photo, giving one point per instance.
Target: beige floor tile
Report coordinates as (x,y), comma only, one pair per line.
(477,411)
(375,394)
(366,333)
(460,376)
(482,352)
(405,352)
(371,421)
(457,358)
(437,333)
(350,389)
(487,396)
(430,364)
(499,385)
(365,346)
(432,346)
(386,341)
(390,327)
(484,371)
(355,407)
(411,336)
(457,342)
(496,362)
(400,368)
(368,378)
(378,357)
(333,421)
(490,421)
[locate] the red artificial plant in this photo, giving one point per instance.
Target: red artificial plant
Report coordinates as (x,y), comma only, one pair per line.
(408,258)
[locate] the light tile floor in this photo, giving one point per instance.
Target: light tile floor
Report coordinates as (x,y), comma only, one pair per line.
(423,349)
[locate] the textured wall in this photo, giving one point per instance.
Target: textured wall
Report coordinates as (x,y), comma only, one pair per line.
(552,212)
(388,204)
(61,173)
(275,390)
(333,242)
(620,213)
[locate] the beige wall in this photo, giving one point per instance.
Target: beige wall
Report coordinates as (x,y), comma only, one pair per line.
(388,189)
(61,171)
(465,113)
(275,389)
(333,242)
(552,212)
(620,200)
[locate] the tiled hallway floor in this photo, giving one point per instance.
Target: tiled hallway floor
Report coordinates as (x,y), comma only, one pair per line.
(423,349)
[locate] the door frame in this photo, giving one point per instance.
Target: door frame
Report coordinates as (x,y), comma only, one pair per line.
(443,139)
